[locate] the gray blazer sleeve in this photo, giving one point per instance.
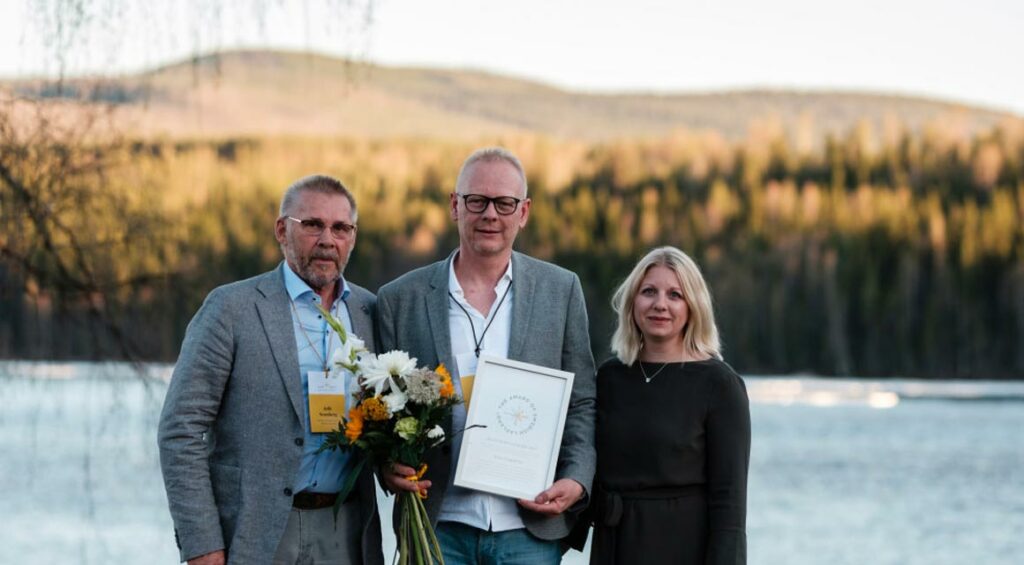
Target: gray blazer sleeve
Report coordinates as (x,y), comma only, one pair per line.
(386,339)
(578,457)
(190,407)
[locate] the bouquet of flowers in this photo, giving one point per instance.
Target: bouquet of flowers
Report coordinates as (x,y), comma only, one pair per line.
(396,418)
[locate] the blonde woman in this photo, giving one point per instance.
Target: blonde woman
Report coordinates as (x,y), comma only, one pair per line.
(673,427)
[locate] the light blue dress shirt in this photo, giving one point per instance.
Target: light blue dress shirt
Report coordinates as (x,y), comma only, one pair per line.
(324,472)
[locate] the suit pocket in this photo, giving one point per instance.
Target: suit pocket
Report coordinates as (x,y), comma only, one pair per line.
(227,492)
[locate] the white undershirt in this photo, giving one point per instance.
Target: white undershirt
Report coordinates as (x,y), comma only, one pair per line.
(477,509)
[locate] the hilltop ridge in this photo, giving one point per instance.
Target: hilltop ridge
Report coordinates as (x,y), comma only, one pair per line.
(277,92)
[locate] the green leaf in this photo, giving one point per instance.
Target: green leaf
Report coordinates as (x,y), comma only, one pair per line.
(346,488)
(335,324)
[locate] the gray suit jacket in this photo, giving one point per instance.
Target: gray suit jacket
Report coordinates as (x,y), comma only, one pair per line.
(549,328)
(231,430)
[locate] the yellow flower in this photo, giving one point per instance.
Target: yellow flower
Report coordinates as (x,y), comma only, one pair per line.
(447,387)
(375,409)
(354,425)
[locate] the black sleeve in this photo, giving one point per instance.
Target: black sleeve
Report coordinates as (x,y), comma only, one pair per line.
(727,460)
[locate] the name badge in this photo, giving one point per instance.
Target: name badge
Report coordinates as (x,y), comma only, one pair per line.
(326,401)
(467,372)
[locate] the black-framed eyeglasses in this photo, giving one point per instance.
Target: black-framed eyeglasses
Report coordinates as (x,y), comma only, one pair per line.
(477,203)
(315,226)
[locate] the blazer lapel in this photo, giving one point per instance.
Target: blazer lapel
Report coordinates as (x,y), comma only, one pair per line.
(437,312)
(276,317)
(362,324)
(523,288)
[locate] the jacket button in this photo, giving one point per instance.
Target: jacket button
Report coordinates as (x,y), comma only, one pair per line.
(298,441)
(287,492)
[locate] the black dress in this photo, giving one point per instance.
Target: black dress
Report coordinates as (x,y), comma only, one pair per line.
(672,458)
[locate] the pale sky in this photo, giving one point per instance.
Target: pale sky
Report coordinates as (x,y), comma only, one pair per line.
(965,51)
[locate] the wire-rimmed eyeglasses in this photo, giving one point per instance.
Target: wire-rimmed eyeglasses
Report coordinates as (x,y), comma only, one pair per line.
(316,226)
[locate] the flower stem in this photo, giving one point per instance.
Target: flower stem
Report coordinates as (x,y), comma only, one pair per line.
(435,548)
(403,537)
(418,535)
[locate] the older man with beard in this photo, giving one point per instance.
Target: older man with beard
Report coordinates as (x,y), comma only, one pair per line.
(238,447)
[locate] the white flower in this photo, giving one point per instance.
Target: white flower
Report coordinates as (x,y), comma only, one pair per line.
(397,363)
(365,361)
(353,388)
(372,374)
(436,432)
(395,400)
(347,354)
(339,357)
(377,371)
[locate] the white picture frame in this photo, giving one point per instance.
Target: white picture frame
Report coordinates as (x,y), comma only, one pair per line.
(521,410)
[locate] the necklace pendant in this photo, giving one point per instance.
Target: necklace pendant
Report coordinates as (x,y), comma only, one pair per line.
(649,378)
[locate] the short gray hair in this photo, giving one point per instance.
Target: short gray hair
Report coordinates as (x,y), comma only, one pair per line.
(323,184)
(490,155)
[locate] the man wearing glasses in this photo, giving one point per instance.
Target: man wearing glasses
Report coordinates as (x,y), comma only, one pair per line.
(238,448)
(485,298)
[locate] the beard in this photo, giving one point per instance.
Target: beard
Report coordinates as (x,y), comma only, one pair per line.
(317,276)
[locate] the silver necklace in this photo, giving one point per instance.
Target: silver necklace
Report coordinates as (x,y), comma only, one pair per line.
(647,378)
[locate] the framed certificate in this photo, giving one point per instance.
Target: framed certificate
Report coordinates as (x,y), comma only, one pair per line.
(521,408)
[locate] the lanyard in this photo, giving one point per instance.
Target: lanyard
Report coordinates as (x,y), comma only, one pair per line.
(330,336)
(479,342)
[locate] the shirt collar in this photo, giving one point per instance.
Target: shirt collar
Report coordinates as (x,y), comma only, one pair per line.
(456,289)
(297,287)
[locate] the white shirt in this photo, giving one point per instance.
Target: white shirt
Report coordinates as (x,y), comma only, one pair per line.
(474,508)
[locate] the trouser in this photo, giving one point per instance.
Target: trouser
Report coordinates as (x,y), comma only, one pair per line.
(466,545)
(311,538)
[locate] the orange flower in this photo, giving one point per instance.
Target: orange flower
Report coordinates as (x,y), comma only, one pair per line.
(447,388)
(354,425)
(443,371)
(375,410)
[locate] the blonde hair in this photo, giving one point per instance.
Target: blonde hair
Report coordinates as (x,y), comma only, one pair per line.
(700,335)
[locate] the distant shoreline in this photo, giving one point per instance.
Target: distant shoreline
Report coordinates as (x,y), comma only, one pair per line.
(779,390)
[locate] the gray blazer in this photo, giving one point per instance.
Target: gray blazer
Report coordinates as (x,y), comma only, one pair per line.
(231,430)
(549,328)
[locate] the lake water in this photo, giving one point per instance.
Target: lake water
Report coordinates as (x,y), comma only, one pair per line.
(879,472)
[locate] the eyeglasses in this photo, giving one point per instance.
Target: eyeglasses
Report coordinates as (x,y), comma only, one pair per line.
(315,226)
(477,203)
